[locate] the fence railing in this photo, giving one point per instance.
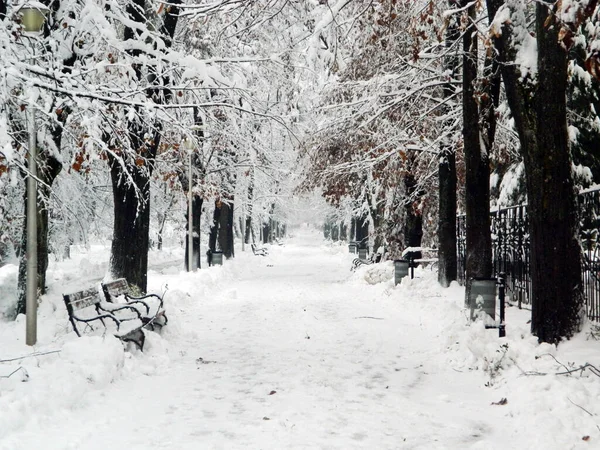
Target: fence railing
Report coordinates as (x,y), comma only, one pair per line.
(511,250)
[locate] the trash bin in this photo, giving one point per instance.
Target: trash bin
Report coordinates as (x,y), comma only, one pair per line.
(217,258)
(401,267)
(352,246)
(363,253)
(482,297)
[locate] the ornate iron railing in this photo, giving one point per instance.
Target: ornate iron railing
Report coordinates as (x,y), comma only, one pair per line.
(511,250)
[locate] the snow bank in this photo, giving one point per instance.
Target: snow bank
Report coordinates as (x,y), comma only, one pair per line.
(356,336)
(8,290)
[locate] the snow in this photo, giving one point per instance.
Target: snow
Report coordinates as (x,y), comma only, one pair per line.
(526,45)
(293,350)
(501,18)
(526,57)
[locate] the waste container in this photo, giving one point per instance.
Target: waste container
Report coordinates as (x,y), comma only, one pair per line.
(482,297)
(217,258)
(401,267)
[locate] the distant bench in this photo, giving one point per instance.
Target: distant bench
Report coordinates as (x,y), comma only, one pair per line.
(88,311)
(375,258)
(429,253)
(259,251)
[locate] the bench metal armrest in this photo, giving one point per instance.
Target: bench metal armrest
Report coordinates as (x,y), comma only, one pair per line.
(113,307)
(108,315)
(140,299)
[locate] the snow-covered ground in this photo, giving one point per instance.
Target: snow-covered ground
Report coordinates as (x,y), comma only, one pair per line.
(293,350)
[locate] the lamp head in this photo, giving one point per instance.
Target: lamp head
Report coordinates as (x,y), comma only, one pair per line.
(33,15)
(188,143)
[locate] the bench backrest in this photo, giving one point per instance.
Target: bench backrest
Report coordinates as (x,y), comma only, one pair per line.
(82,299)
(78,301)
(115,288)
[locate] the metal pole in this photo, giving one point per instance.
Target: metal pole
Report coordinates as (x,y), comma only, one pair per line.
(32,263)
(190,219)
(244,228)
(502,327)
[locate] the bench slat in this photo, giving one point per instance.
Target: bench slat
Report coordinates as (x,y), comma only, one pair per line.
(83,299)
(116,287)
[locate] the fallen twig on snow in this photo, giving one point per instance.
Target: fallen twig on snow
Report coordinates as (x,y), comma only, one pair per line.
(29,356)
(579,406)
(25,374)
(553,357)
(588,366)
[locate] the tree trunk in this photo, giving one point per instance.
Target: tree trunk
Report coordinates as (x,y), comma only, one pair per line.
(413,220)
(447,255)
(239,227)
(477,185)
(197,202)
(130,179)
(249,226)
(48,169)
(225,234)
(540,119)
(362,232)
(447,266)
(131,229)
(555,250)
(214,228)
(378,233)
(343,231)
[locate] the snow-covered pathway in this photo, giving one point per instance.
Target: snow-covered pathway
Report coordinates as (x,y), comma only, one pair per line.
(286,352)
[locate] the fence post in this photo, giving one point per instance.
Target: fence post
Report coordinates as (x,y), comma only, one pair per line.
(501,327)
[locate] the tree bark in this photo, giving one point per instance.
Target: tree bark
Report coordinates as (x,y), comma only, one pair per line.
(362,232)
(197,203)
(413,220)
(539,111)
(214,228)
(131,229)
(555,250)
(226,230)
(249,230)
(266,231)
(447,265)
(130,174)
(477,185)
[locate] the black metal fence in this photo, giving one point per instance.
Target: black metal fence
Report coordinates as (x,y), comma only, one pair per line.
(511,250)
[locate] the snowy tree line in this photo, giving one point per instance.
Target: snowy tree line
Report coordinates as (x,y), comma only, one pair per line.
(129,95)
(401,113)
(460,106)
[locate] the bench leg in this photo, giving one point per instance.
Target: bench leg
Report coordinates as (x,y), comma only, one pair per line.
(137,337)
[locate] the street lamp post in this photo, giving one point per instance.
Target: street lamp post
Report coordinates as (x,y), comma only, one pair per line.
(190,147)
(33,16)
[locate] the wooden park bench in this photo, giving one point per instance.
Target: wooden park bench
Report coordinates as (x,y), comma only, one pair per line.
(376,257)
(259,251)
(118,312)
(88,312)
